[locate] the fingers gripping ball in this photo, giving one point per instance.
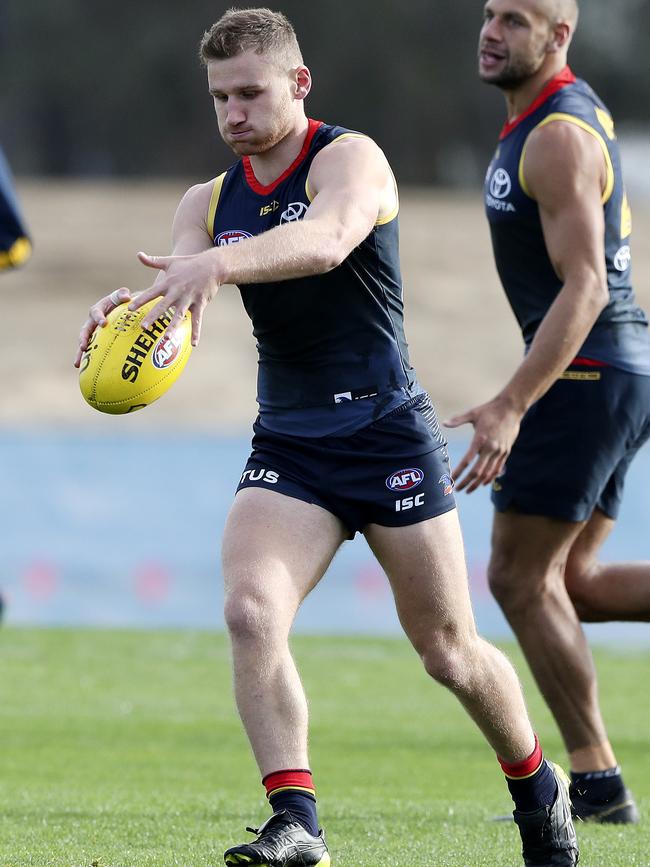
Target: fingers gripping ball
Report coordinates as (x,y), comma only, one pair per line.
(125,367)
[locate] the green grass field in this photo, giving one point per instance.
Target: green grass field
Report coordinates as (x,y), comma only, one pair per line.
(123,748)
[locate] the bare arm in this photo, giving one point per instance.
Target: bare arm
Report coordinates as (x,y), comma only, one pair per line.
(350,181)
(565,173)
(189,236)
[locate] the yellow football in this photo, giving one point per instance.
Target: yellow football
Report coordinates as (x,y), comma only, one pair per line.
(126,367)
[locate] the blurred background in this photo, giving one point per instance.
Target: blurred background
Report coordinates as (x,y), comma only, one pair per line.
(106,120)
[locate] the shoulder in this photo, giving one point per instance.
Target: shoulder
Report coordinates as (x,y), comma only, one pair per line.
(198,196)
(559,149)
(349,153)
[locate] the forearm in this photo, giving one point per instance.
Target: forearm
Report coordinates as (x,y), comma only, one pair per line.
(557,341)
(298,249)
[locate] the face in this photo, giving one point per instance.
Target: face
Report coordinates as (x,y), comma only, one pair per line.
(254,100)
(514,42)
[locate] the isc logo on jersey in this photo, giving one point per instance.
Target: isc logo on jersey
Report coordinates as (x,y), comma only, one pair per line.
(231,236)
(405,480)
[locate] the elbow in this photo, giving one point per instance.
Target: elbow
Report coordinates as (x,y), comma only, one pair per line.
(600,294)
(331,254)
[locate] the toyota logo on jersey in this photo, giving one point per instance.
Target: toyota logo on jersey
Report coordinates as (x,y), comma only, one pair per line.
(404,480)
(500,184)
(295,211)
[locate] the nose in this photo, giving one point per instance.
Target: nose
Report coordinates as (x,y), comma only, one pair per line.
(234,113)
(491,29)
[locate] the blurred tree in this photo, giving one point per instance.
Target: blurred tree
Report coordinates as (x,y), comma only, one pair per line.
(99,88)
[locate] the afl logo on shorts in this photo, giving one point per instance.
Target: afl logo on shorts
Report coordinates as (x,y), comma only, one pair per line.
(165,351)
(231,236)
(404,480)
(500,184)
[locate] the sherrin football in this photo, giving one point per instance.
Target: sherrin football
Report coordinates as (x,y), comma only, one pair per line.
(126,367)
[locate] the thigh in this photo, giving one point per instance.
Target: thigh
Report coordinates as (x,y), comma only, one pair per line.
(571,443)
(425,564)
(277,548)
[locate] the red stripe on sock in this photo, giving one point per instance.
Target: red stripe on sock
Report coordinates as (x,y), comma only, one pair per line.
(519,770)
(289,779)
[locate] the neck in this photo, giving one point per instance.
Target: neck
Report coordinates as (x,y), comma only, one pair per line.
(272,163)
(518,99)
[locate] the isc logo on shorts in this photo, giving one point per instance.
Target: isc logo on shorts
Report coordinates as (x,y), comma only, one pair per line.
(404,480)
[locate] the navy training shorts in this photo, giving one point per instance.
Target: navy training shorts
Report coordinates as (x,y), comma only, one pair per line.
(395,472)
(576,444)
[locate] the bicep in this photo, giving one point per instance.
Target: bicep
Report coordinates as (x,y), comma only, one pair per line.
(348,181)
(564,173)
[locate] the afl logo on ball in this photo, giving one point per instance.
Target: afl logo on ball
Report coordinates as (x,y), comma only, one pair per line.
(232,236)
(404,480)
(165,352)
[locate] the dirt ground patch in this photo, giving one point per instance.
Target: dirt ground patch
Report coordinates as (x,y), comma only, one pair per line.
(463,338)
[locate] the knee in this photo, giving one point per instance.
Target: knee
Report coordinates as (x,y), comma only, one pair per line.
(446,659)
(248,615)
(504,584)
(577,580)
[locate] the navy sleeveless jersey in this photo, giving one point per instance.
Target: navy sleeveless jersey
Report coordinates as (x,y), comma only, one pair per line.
(620,335)
(15,247)
(332,352)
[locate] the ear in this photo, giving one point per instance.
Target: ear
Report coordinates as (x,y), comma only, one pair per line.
(302,82)
(560,37)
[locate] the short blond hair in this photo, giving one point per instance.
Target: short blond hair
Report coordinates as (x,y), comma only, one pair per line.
(260,30)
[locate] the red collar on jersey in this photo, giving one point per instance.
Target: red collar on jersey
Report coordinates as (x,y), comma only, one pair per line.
(255,185)
(562,79)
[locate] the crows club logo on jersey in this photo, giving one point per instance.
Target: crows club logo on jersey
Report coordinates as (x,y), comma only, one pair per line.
(404,480)
(165,352)
(447,484)
(231,236)
(623,258)
(295,211)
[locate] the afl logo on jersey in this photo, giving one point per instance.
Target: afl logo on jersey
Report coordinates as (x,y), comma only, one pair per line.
(404,480)
(623,258)
(231,236)
(500,184)
(295,211)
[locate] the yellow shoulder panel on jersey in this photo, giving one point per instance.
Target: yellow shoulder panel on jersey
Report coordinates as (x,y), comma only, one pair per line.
(16,255)
(214,201)
(570,118)
(382,220)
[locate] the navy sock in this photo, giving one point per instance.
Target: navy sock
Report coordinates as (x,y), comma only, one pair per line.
(598,787)
(293,790)
(531,781)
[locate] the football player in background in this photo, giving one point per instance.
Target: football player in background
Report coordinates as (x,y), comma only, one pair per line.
(15,247)
(557,441)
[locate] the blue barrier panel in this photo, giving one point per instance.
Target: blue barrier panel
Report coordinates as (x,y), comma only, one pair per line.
(126,532)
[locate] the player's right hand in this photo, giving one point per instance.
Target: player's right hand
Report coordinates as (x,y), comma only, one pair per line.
(97,317)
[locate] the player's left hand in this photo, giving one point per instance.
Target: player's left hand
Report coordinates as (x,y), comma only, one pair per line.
(185,283)
(496,426)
